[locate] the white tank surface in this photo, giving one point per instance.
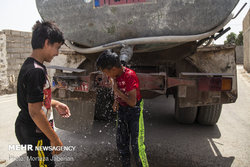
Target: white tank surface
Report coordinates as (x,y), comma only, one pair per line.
(92,23)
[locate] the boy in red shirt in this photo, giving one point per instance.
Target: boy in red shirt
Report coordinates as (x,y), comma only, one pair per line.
(129,104)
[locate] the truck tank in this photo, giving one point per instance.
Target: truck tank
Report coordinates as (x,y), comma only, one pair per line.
(92,23)
(165,37)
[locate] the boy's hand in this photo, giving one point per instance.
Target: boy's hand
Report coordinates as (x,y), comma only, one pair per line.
(63,110)
(114,85)
(56,143)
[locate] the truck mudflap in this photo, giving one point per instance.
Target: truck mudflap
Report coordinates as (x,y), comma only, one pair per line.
(210,89)
(217,82)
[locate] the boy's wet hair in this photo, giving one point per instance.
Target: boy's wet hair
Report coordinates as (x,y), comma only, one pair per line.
(108,60)
(45,30)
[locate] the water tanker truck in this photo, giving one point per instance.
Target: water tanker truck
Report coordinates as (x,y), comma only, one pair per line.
(165,41)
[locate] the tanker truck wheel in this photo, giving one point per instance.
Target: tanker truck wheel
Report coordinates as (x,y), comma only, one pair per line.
(185,115)
(209,115)
(103,105)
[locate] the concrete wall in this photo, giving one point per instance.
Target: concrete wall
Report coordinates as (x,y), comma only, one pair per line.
(239,54)
(246,37)
(15,47)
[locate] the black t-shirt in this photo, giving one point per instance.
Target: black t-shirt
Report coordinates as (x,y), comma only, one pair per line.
(33,86)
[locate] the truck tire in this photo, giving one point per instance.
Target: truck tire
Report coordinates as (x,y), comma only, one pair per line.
(209,115)
(185,115)
(103,105)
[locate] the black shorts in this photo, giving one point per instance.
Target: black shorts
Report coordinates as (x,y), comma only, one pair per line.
(26,135)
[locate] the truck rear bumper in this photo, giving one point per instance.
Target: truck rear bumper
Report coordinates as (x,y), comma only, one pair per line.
(194,89)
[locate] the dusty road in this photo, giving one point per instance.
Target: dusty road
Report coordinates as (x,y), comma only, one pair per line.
(168,143)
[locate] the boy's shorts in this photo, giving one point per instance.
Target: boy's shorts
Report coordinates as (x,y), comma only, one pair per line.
(26,135)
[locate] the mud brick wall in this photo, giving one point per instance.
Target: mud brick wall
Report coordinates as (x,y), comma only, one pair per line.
(246,38)
(14,49)
(3,62)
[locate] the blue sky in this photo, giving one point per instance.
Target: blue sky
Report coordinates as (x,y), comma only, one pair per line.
(22,14)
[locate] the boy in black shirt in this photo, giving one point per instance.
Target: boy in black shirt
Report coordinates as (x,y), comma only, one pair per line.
(33,125)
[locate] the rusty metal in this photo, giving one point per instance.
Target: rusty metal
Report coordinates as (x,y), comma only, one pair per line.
(151,81)
(205,74)
(180,82)
(98,79)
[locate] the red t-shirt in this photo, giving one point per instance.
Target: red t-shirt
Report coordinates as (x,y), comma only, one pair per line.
(127,82)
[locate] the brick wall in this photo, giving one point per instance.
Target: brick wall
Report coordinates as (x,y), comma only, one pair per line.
(15,47)
(246,38)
